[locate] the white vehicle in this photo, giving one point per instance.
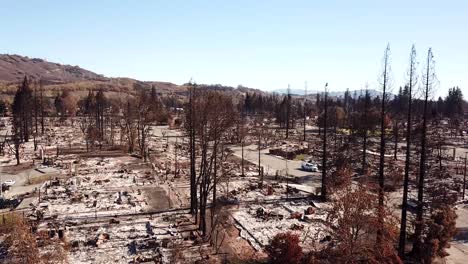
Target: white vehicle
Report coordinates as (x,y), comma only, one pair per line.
(9,182)
(309,165)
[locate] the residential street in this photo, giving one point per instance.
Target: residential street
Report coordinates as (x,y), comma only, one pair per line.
(271,164)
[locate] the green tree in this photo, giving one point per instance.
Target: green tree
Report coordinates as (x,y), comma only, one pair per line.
(22,110)
(454,102)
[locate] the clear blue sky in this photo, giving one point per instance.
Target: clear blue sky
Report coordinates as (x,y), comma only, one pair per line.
(260,44)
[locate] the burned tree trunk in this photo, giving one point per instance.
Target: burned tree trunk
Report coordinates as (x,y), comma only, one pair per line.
(365,129)
(216,115)
(404,206)
(428,79)
(191,131)
(385,80)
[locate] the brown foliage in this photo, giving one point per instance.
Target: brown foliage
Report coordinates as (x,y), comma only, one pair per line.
(22,245)
(284,248)
(353,223)
(341,177)
(441,229)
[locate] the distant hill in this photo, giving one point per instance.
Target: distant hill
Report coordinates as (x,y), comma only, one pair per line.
(57,77)
(14,67)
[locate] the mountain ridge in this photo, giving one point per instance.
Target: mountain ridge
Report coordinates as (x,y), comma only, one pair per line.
(56,77)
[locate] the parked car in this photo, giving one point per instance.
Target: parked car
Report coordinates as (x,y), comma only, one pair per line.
(9,182)
(309,165)
(412,205)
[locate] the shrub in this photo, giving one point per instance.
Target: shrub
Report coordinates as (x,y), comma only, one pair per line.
(284,248)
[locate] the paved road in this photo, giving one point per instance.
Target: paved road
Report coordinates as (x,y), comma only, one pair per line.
(271,164)
(164,131)
(459,249)
(21,180)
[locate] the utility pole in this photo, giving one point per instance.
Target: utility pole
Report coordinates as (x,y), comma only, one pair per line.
(288,110)
(304,109)
(324,150)
(242,143)
(42,106)
(175,161)
(242,161)
(259,145)
(287,179)
(464,177)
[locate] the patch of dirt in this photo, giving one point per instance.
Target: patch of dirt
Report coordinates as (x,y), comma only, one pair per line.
(237,248)
(15,169)
(157,198)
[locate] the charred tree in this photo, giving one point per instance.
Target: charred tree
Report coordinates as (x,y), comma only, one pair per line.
(428,80)
(404,206)
(385,83)
(216,115)
(191,131)
(365,128)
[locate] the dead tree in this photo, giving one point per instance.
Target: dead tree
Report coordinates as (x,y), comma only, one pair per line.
(404,207)
(385,84)
(84,124)
(129,124)
(242,138)
(216,115)
(428,81)
(87,121)
(101,104)
(365,128)
(147,109)
(190,127)
(351,219)
(395,138)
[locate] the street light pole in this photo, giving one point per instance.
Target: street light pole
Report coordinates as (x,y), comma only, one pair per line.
(464,177)
(287,179)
